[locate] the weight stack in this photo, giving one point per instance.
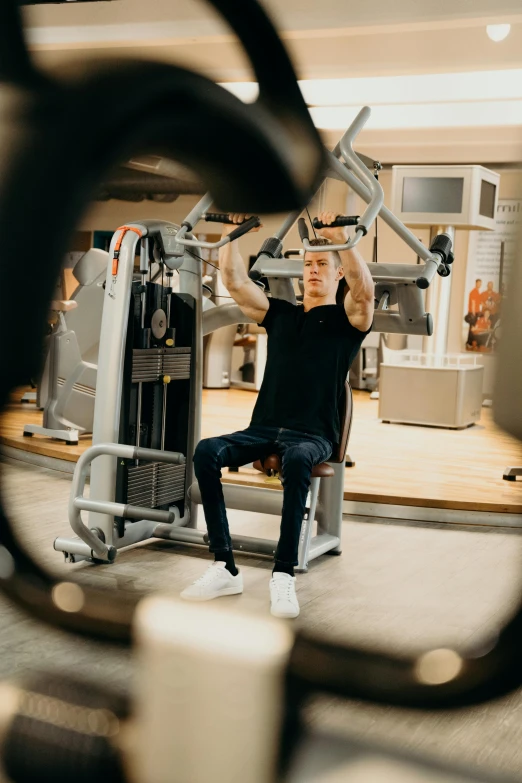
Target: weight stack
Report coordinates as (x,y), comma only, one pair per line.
(157,377)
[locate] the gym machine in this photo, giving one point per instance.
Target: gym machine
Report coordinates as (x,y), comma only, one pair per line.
(117,518)
(148,397)
(67,385)
(143,420)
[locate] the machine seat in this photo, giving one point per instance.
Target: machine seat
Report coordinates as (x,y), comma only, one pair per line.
(272,463)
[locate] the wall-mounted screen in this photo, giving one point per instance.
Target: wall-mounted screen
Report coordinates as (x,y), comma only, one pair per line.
(488,192)
(432,194)
(459,196)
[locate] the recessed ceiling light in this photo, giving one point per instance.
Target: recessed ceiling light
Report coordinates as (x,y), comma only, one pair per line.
(497,32)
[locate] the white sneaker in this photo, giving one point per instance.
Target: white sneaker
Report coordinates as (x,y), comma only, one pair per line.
(283,600)
(215,582)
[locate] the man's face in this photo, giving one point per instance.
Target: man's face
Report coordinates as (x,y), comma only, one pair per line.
(478,285)
(321,275)
(490,286)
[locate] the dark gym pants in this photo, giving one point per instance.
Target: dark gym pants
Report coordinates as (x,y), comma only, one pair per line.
(299,453)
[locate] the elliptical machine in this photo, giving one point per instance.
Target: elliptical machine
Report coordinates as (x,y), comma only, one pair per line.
(67,387)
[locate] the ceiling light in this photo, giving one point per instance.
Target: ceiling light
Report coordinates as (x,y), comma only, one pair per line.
(497,32)
(437,115)
(386,90)
(448,100)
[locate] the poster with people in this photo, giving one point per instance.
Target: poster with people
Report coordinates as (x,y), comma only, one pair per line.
(490,257)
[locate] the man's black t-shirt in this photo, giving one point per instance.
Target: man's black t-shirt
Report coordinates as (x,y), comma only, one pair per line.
(308,359)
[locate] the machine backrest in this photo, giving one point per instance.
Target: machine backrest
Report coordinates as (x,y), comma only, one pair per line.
(346,425)
(90,266)
(85,321)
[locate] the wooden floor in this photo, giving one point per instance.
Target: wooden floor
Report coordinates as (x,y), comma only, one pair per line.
(402,588)
(405,465)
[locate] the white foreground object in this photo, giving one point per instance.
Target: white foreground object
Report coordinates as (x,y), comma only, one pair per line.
(209,693)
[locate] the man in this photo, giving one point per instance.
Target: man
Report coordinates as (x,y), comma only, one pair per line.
(482,331)
(475,298)
(310,349)
(491,301)
(474,311)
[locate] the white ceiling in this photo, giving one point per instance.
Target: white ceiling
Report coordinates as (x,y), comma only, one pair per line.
(356,40)
(189,18)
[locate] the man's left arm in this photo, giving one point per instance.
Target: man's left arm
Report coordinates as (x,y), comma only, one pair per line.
(359,302)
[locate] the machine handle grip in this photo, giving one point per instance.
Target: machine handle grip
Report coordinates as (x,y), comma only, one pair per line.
(442,245)
(303,229)
(218,217)
(340,220)
(244,228)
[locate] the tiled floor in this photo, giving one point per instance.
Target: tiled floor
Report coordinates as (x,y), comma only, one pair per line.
(397,586)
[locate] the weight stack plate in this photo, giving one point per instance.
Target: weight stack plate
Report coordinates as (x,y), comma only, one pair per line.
(155,484)
(152,364)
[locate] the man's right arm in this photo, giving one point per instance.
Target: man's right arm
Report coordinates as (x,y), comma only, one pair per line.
(250,297)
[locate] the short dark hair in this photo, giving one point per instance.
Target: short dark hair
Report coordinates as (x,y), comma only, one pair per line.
(324,242)
(320,241)
(478,280)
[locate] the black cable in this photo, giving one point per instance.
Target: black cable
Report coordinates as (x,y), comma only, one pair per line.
(200,258)
(311,223)
(376,239)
